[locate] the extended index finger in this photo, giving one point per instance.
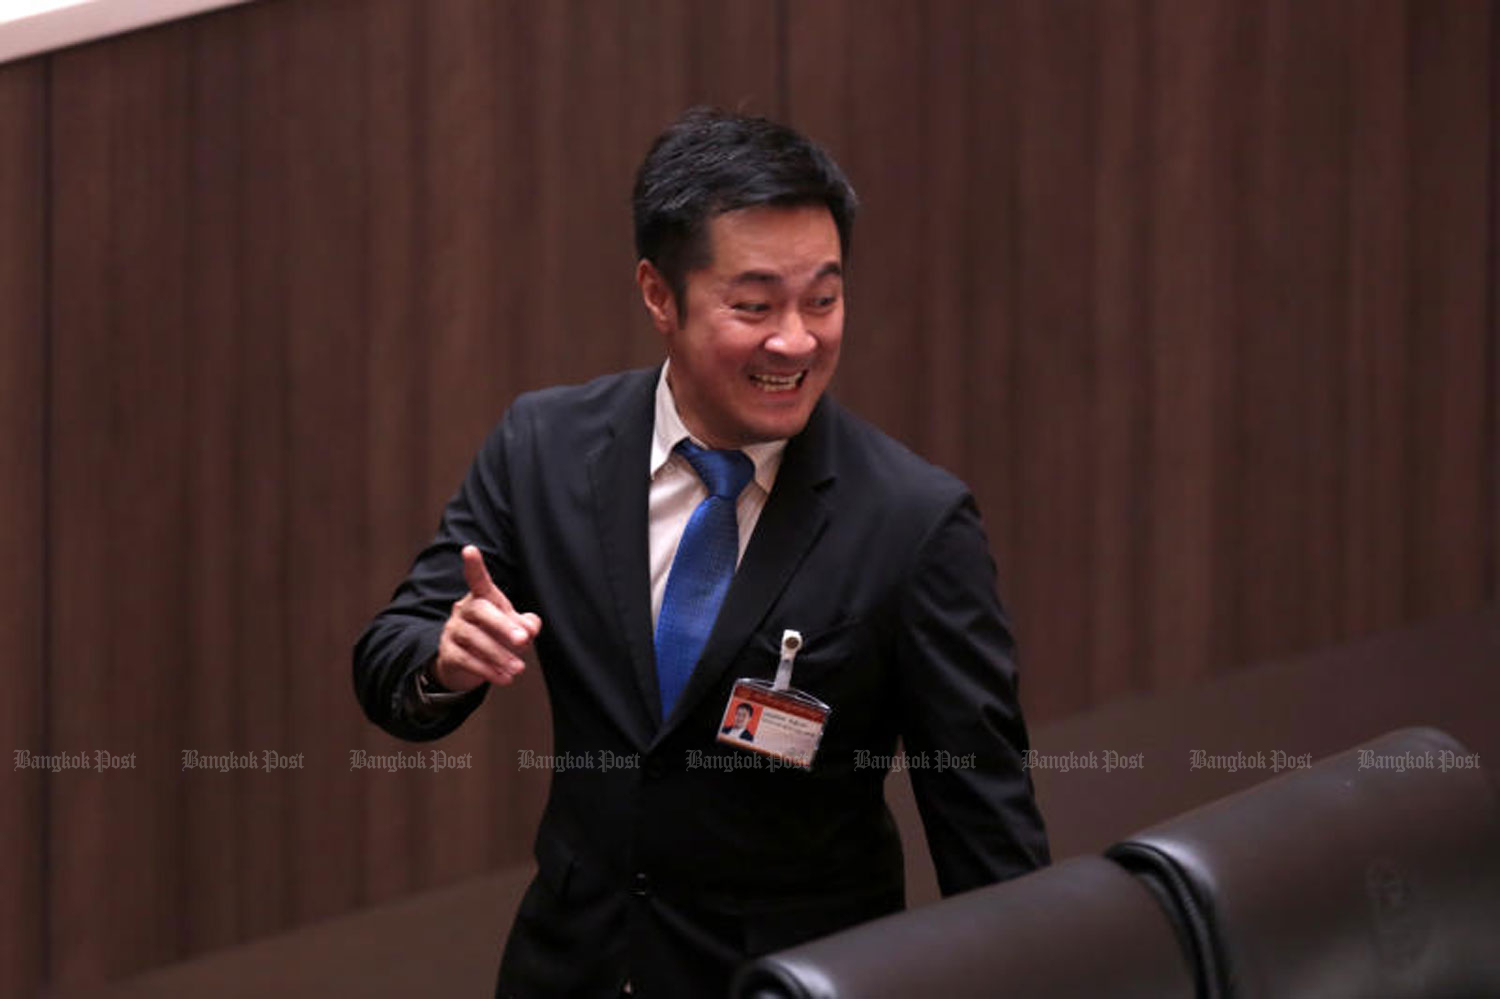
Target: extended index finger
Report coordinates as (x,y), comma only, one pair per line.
(480,583)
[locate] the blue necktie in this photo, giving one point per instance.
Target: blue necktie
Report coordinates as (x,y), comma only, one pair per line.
(701,570)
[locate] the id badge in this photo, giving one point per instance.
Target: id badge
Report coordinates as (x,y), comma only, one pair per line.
(772,717)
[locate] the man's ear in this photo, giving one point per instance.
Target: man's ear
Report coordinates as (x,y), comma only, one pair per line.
(657,295)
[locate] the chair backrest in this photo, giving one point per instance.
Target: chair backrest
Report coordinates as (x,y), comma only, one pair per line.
(1083,927)
(1375,872)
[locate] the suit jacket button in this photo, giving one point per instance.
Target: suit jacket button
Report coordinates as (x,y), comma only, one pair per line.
(640,884)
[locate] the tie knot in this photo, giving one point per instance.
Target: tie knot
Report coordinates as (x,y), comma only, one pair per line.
(725,473)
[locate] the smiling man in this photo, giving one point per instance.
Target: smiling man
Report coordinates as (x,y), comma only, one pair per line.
(713,532)
(756,339)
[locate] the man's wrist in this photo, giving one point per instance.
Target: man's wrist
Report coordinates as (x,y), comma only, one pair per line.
(430,690)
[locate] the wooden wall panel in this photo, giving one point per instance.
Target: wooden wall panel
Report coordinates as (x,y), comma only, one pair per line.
(1184,337)
(1287,254)
(992,259)
(1453,125)
(216,845)
(1380,257)
(472,281)
(1118,599)
(1057,75)
(259,439)
(116,614)
(23,571)
(392,842)
(324,329)
(80,516)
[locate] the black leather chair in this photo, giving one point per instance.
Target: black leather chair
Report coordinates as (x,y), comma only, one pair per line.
(1081,928)
(1351,878)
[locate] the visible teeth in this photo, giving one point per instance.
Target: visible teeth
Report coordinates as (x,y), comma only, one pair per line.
(777,381)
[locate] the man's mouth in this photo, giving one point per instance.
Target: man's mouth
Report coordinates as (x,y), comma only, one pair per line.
(778,383)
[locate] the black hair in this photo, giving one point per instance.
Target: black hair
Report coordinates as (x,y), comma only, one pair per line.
(709,162)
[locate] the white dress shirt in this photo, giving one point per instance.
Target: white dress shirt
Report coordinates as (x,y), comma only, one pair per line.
(676,489)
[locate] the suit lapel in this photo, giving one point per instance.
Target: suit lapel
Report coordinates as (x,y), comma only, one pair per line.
(793,517)
(617,475)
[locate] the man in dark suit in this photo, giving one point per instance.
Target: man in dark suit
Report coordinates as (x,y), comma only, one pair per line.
(739,727)
(652,534)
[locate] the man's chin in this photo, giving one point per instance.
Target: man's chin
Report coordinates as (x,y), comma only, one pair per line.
(778,429)
(755,421)
(759,432)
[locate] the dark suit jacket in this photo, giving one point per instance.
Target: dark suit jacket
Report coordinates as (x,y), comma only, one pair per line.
(674,872)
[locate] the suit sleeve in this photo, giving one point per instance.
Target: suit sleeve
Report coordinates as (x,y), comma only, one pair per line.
(404,636)
(962,719)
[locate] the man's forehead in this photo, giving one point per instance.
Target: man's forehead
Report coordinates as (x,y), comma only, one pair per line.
(774,243)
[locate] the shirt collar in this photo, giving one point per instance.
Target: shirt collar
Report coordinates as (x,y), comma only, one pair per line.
(669,431)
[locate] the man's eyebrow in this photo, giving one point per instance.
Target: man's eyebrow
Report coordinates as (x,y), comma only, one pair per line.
(770,277)
(755,277)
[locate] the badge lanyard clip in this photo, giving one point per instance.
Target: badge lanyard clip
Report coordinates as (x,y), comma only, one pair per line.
(791,642)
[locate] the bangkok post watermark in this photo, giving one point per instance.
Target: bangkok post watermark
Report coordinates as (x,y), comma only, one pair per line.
(699,759)
(433,760)
(1275,760)
(266,760)
(602,760)
(1107,761)
(1442,761)
(937,760)
(98,760)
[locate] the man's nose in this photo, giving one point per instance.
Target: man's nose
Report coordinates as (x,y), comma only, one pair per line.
(793,338)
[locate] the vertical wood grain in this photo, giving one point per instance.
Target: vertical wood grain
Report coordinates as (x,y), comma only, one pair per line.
(994,430)
(1453,123)
(942,278)
(1379,294)
(119,668)
(214,847)
(326,336)
(1118,595)
(80,660)
(1056,155)
(466,281)
(1492,485)
(1279,495)
(396,522)
(23,277)
(1186,339)
(264,689)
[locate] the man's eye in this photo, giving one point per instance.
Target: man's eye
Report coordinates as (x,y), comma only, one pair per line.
(753,308)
